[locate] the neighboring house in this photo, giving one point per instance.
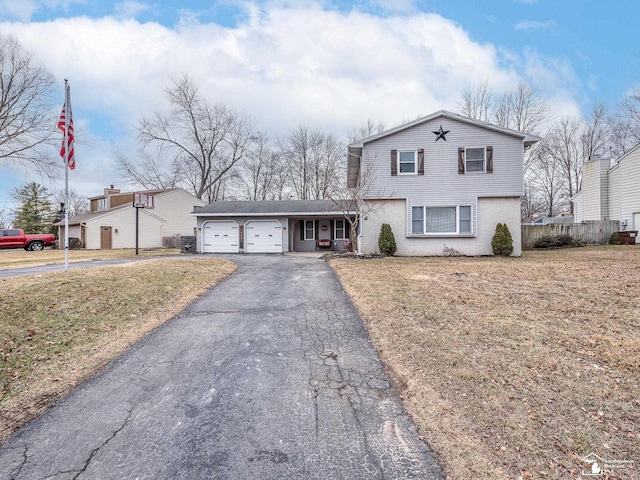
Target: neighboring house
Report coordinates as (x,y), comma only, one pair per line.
(271,226)
(111,222)
(610,191)
(562,218)
(442,182)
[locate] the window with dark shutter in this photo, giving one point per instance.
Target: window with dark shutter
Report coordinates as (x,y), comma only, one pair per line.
(461,160)
(394,163)
(421,162)
(489,159)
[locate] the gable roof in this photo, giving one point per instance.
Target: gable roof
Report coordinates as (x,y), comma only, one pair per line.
(528,138)
(269,208)
(85,217)
(355,149)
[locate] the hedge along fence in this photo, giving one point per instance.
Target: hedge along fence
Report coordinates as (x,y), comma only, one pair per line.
(592,233)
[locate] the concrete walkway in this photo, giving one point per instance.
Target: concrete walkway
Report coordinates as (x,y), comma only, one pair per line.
(270,375)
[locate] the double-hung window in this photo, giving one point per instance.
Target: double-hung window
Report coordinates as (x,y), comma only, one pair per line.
(340,230)
(309,230)
(407,161)
(475,158)
(452,220)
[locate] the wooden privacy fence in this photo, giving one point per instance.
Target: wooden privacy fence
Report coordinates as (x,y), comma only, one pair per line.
(592,233)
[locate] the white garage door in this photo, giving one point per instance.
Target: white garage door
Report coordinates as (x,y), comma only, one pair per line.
(220,236)
(263,236)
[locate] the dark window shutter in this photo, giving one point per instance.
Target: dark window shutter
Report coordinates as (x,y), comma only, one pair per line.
(394,163)
(421,162)
(489,159)
(302,225)
(460,160)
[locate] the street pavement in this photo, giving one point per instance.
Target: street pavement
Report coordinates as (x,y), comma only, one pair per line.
(270,375)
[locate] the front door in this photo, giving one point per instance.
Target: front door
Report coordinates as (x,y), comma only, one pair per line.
(105,238)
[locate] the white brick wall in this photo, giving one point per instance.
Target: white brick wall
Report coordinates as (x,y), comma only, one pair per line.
(490,211)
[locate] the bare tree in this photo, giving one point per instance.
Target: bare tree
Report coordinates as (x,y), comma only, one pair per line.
(359,199)
(199,143)
(631,106)
(562,147)
(546,178)
(77,203)
(521,109)
(624,134)
(262,175)
(596,132)
(150,171)
(26,121)
(477,103)
(314,161)
(5,221)
(367,130)
(531,205)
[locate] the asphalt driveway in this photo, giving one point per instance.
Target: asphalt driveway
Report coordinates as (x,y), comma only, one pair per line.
(270,375)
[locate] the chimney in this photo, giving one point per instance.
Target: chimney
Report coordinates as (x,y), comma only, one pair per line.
(110,191)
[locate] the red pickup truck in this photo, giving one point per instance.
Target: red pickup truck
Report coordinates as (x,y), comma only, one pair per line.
(15,238)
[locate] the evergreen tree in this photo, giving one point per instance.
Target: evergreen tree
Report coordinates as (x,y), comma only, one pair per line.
(502,241)
(386,240)
(35,212)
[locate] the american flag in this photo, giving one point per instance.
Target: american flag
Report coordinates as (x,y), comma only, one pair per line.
(66,125)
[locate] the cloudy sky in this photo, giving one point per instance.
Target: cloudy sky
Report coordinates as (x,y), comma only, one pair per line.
(326,64)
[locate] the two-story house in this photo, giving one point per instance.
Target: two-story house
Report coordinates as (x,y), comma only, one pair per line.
(111,221)
(442,182)
(610,191)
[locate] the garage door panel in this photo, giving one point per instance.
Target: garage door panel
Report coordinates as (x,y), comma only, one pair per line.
(220,237)
(263,236)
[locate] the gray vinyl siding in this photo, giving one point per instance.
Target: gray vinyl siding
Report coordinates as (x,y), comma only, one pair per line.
(595,182)
(441,183)
(629,187)
(614,193)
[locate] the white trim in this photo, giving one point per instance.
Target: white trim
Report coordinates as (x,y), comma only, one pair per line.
(415,162)
(526,138)
(484,160)
(272,214)
(344,229)
(278,242)
(457,233)
(235,243)
(304,229)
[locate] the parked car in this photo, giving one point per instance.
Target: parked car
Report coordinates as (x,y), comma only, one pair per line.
(16,238)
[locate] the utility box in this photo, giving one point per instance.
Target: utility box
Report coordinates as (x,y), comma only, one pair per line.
(188,244)
(628,237)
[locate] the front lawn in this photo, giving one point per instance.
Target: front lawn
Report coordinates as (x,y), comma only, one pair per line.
(511,367)
(59,329)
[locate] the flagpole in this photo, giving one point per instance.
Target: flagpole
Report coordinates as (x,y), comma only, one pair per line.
(66,173)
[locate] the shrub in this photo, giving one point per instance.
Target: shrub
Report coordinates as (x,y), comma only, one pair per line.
(614,239)
(502,242)
(386,240)
(556,241)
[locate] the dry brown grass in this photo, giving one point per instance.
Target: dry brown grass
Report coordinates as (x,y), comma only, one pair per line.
(59,329)
(511,367)
(17,257)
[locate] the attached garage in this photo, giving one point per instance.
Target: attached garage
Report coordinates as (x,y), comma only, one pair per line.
(263,236)
(272,226)
(220,236)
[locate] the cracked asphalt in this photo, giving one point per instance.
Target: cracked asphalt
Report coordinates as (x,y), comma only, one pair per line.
(270,375)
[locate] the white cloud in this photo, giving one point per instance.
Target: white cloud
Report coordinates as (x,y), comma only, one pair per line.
(549,25)
(129,9)
(283,66)
(22,10)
